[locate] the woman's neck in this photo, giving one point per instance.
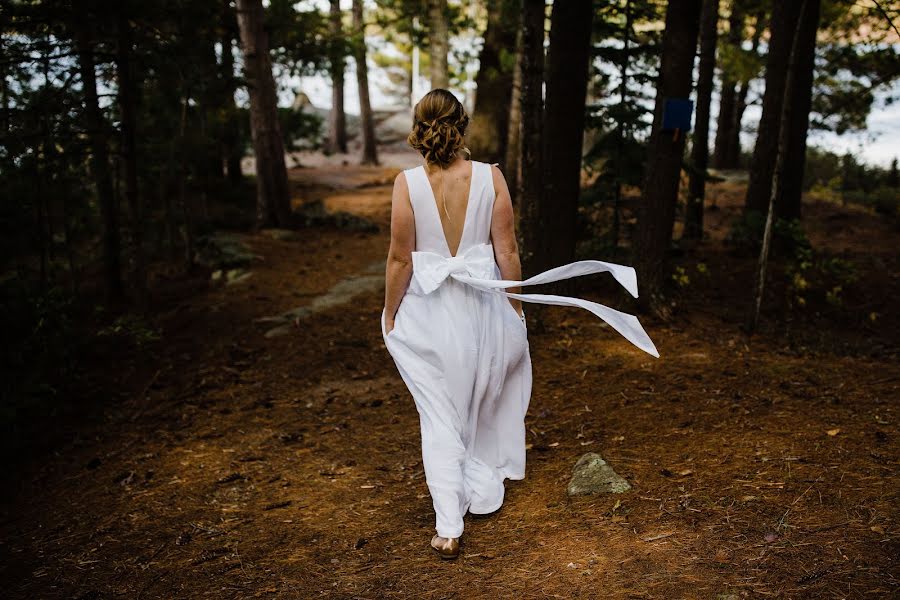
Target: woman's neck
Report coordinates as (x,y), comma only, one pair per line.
(433,166)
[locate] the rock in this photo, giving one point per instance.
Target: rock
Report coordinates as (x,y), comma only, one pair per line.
(222,250)
(301,102)
(394,128)
(591,475)
(281,235)
(371,279)
(234,276)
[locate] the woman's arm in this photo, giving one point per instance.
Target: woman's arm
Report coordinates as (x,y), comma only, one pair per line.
(398,269)
(503,236)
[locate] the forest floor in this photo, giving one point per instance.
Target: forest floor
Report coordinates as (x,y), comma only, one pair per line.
(227,464)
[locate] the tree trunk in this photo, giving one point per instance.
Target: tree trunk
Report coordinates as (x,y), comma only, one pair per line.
(490,118)
(273,206)
(186,212)
(659,193)
(367,122)
(337,119)
(564,116)
(231,139)
(784,23)
(4,90)
(808,16)
(788,201)
(97,128)
(514,131)
(439,43)
(212,102)
(709,20)
(622,123)
(531,158)
(128,110)
(740,103)
(722,157)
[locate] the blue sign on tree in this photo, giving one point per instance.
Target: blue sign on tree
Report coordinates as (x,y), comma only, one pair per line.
(677,114)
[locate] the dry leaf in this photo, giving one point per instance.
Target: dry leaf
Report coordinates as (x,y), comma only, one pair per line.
(833,432)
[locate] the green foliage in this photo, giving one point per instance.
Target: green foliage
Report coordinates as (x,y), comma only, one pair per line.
(184,59)
(737,63)
(39,338)
(619,121)
(746,233)
(131,328)
(885,200)
(844,179)
(811,275)
(681,276)
(300,129)
(851,65)
(299,38)
(405,24)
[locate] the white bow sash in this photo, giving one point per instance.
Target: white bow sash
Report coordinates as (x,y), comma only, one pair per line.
(475,267)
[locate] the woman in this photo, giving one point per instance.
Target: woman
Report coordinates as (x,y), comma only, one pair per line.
(458,339)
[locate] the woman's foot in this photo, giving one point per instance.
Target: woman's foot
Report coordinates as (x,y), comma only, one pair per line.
(446,547)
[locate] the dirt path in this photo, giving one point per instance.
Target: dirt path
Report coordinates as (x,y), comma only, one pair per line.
(290,466)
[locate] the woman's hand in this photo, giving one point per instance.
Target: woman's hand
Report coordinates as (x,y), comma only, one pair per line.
(517,305)
(388,324)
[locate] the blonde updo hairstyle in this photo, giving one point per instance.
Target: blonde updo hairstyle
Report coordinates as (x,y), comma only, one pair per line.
(439,126)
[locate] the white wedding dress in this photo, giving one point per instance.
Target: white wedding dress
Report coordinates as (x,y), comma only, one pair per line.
(462,351)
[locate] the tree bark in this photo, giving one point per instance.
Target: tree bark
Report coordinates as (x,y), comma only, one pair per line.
(740,103)
(784,22)
(808,12)
(337,119)
(212,102)
(272,194)
(96,128)
(564,116)
(622,123)
(788,201)
(724,152)
(187,213)
(512,166)
(709,20)
(128,109)
(659,193)
(531,157)
(367,122)
(231,138)
(490,117)
(439,43)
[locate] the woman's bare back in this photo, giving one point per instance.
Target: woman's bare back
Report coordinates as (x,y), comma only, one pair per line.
(457,186)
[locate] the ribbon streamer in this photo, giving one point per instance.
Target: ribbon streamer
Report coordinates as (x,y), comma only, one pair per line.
(475,267)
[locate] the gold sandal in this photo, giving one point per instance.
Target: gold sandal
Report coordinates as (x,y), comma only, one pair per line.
(447,549)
